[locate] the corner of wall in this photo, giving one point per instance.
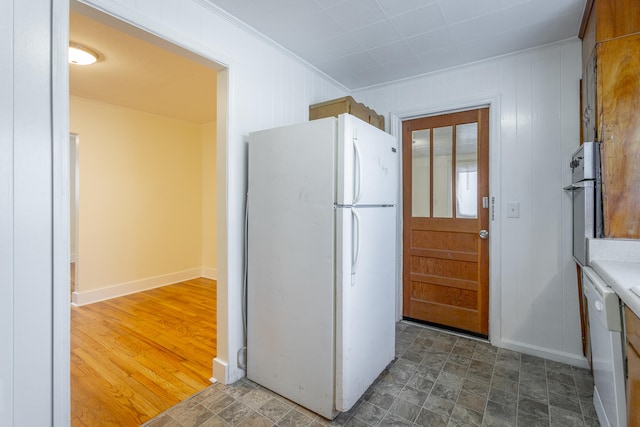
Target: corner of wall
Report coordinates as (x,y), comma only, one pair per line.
(210,273)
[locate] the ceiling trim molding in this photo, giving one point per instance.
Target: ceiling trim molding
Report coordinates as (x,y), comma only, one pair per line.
(257,34)
(466,64)
(585,18)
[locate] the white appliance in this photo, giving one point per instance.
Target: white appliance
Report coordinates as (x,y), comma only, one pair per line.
(321,260)
(605,324)
(586,198)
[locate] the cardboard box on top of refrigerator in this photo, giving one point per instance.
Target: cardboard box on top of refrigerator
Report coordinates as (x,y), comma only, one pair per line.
(348,105)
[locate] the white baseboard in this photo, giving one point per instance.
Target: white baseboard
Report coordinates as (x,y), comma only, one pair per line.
(88,297)
(223,375)
(220,371)
(572,359)
(209,273)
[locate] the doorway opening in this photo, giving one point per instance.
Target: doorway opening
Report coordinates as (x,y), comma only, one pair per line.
(148,162)
(446,220)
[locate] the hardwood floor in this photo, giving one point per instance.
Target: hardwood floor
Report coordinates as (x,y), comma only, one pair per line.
(135,356)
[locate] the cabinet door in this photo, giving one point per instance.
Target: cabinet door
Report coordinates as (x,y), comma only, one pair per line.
(633,368)
(617,18)
(633,387)
(619,131)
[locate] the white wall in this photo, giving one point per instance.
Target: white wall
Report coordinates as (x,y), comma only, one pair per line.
(536,128)
(6,210)
(26,214)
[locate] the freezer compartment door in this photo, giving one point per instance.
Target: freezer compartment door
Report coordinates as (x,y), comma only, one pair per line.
(365,299)
(367,166)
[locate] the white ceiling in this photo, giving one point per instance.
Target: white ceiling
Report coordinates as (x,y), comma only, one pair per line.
(361,43)
(139,74)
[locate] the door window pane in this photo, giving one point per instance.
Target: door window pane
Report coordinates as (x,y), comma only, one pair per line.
(442,173)
(467,171)
(421,172)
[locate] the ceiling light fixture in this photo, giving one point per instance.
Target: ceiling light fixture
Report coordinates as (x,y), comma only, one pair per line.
(81,55)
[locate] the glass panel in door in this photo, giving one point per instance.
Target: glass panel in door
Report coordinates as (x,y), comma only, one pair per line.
(421,173)
(442,174)
(467,170)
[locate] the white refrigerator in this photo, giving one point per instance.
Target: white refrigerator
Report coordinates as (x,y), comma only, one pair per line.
(321,260)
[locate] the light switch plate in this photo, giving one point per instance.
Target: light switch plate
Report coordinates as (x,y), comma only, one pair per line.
(513,210)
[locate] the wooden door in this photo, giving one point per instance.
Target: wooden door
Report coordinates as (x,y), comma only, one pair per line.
(445,207)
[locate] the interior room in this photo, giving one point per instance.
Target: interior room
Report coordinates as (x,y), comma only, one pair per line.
(490,314)
(143,228)
(145,121)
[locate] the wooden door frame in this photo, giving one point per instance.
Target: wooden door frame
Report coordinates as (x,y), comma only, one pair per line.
(493,103)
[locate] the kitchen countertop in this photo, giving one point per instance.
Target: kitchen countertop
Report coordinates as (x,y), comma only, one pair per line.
(617,262)
(624,279)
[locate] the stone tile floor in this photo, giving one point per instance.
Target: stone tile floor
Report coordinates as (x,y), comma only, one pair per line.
(437,379)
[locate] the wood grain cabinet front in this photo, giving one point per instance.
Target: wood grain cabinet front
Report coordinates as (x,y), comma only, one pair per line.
(611,107)
(619,109)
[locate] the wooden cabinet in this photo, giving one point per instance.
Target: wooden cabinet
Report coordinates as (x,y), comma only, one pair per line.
(619,109)
(611,107)
(616,18)
(589,72)
(584,319)
(633,368)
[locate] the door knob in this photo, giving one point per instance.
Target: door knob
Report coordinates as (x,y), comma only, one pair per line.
(483,234)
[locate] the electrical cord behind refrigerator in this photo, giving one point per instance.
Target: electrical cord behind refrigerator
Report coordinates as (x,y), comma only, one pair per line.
(242,352)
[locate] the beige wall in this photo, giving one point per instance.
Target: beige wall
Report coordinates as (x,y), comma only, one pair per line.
(73,239)
(209,250)
(142,179)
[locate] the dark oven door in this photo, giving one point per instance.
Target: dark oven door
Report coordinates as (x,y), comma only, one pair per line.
(583,198)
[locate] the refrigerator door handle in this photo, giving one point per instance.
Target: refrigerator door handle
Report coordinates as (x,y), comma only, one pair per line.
(355,256)
(358,183)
